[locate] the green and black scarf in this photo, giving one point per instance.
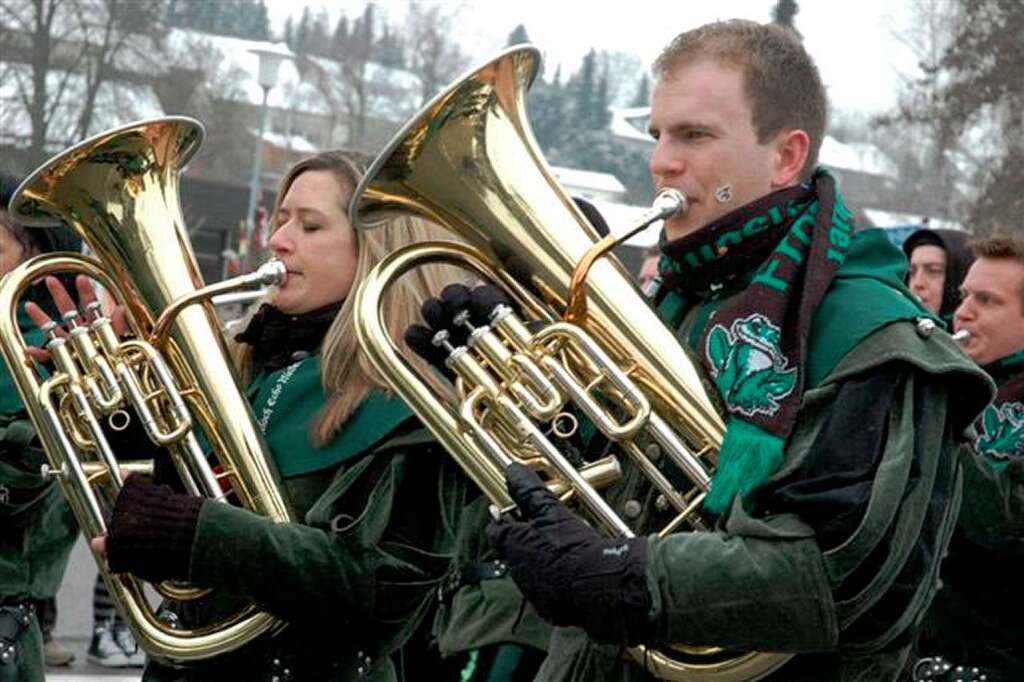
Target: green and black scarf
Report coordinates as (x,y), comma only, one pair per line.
(1000,427)
(755,346)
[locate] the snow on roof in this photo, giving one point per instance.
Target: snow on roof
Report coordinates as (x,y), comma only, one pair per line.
(296,143)
(861,157)
(237,54)
(117,103)
(889,219)
(584,179)
(630,123)
(394,93)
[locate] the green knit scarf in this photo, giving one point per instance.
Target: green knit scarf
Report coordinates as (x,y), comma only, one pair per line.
(754,347)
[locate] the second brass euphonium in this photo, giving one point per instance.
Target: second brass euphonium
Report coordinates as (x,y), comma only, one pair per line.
(119,192)
(469,162)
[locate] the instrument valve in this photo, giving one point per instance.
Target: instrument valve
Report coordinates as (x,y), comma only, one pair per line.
(500,312)
(48,472)
(440,340)
(71,318)
(50,329)
(462,319)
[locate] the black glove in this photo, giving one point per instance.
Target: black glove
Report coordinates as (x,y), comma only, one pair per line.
(572,575)
(440,314)
(151,531)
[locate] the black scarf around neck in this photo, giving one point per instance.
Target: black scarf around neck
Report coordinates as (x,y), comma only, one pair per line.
(276,336)
(793,242)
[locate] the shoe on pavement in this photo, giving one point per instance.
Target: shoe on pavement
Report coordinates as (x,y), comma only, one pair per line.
(104,650)
(135,656)
(55,655)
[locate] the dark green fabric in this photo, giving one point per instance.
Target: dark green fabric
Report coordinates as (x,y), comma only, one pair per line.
(37,528)
(358,575)
(286,402)
(981,576)
(762,580)
(860,301)
(29,666)
(490,611)
(10,400)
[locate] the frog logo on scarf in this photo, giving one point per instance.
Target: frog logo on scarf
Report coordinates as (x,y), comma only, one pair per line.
(1001,431)
(748,365)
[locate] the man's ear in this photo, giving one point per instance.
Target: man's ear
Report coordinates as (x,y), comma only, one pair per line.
(791,150)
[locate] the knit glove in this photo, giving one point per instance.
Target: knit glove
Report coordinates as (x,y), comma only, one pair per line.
(572,575)
(151,531)
(439,313)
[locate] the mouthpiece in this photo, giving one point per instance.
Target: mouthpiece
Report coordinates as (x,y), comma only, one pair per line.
(962,336)
(670,203)
(272,273)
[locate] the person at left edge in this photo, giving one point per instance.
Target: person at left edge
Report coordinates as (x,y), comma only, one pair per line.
(37,528)
(356,577)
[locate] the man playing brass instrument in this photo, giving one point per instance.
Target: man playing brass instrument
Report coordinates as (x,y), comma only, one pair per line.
(838,482)
(975,620)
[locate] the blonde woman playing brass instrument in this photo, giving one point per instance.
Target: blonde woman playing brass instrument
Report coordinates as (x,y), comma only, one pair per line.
(357,579)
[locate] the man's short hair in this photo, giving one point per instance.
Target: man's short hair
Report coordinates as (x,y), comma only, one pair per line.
(780,79)
(1000,247)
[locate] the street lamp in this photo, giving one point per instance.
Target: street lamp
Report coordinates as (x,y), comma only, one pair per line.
(270,61)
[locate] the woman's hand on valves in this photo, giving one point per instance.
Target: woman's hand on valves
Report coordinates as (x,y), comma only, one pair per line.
(87,298)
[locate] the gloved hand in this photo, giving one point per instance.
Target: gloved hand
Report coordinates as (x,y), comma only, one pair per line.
(439,313)
(572,575)
(151,531)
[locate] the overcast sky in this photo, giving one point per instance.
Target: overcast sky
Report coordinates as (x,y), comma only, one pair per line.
(854,43)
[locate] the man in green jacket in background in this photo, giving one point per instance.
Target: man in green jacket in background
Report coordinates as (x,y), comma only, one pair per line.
(838,480)
(974,627)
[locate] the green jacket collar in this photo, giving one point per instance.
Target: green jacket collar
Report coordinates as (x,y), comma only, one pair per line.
(287,401)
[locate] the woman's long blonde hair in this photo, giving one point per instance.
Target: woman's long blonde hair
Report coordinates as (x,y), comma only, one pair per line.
(346,373)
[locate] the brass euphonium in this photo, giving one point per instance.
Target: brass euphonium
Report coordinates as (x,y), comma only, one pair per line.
(119,192)
(468,161)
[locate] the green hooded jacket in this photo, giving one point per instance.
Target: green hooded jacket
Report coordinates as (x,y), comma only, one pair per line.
(778,573)
(356,579)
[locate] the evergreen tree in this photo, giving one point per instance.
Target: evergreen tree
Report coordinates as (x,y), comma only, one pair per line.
(302,33)
(518,36)
(389,48)
(318,40)
(241,18)
(364,28)
(973,94)
(600,115)
(784,13)
(583,91)
(339,38)
(642,98)
(289,34)
(547,106)
(259,22)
